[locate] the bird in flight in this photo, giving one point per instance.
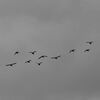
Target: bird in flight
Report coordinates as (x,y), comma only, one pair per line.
(43,56)
(72,50)
(39,63)
(28,61)
(89,42)
(56,57)
(10,65)
(17,52)
(33,52)
(87,50)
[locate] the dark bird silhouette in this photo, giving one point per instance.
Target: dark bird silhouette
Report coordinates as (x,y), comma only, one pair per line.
(39,63)
(17,52)
(87,50)
(90,42)
(33,52)
(43,56)
(73,50)
(28,61)
(12,64)
(56,57)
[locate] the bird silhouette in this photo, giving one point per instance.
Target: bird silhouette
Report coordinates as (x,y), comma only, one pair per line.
(90,42)
(28,61)
(56,57)
(72,50)
(11,64)
(87,50)
(39,63)
(17,52)
(43,56)
(32,52)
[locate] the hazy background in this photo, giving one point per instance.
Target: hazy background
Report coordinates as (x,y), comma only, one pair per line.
(53,27)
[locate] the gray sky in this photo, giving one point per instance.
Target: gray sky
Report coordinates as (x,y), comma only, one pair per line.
(53,27)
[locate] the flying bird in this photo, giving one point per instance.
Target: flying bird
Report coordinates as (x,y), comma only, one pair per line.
(17,52)
(28,61)
(33,52)
(12,64)
(87,50)
(56,57)
(89,42)
(39,63)
(43,56)
(72,50)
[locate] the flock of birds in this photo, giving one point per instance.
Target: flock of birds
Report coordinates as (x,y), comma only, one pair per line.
(45,56)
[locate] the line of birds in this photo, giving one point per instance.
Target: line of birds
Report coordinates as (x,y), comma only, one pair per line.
(45,56)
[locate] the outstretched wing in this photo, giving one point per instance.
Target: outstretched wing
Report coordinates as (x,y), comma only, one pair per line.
(28,61)
(32,52)
(42,56)
(89,42)
(87,50)
(39,63)
(56,57)
(11,64)
(17,52)
(73,50)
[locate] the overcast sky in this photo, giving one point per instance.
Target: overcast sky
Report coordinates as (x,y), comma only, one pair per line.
(52,27)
